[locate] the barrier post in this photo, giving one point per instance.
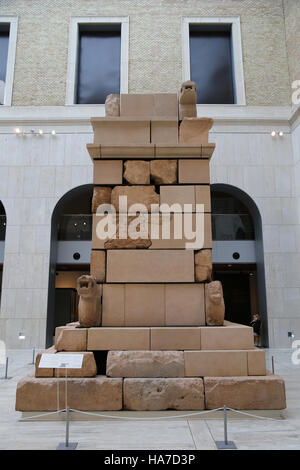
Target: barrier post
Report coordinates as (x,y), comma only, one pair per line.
(223,445)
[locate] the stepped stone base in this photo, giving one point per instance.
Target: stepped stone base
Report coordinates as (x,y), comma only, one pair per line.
(89,394)
(105,394)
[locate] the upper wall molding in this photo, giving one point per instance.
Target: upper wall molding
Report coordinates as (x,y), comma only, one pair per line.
(76,118)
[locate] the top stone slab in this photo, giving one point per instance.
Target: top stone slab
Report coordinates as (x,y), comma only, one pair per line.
(156,105)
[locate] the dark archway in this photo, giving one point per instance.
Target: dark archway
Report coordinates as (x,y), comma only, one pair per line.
(2,241)
(70,225)
(248,228)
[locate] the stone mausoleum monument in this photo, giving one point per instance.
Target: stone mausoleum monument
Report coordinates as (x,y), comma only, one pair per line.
(150,318)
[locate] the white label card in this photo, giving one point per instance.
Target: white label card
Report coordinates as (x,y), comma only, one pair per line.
(61,361)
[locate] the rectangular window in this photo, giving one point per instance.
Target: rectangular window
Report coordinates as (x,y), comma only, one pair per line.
(212,58)
(8,41)
(211,64)
(98,59)
(4,38)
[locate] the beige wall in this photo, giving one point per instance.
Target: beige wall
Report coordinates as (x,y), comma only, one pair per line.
(292,22)
(155,45)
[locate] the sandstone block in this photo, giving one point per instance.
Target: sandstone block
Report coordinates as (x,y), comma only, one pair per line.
(120,130)
(135,194)
(145,364)
(198,223)
(202,196)
(227,337)
(164,131)
(256,362)
(163,171)
(98,265)
(178,195)
(185,305)
(145,266)
(144,305)
(173,339)
(137,172)
(214,304)
(113,306)
(215,363)
(112,105)
(203,265)
(88,369)
(71,339)
(245,393)
(127,243)
(194,130)
(149,105)
(101,195)
(87,394)
(108,172)
(131,339)
(44,372)
(89,306)
(193,171)
(163,394)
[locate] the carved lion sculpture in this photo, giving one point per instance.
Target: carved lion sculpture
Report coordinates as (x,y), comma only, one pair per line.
(214,304)
(187,100)
(89,308)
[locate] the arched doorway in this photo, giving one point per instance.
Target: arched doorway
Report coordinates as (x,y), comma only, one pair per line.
(71,235)
(2,241)
(238,256)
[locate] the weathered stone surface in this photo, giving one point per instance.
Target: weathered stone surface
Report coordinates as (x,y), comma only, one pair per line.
(112,105)
(108,172)
(184,305)
(127,243)
(113,305)
(137,172)
(88,369)
(163,171)
(135,194)
(70,339)
(214,304)
(194,171)
(203,265)
(101,195)
(98,265)
(86,394)
(215,363)
(144,305)
(89,307)
(164,131)
(256,362)
(44,372)
(194,130)
(105,339)
(145,364)
(227,337)
(245,393)
(175,338)
(164,394)
(145,266)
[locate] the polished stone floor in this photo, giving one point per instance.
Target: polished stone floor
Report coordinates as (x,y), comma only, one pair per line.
(180,433)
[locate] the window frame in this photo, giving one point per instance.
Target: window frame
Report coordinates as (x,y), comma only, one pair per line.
(12,22)
(237,55)
(75,24)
